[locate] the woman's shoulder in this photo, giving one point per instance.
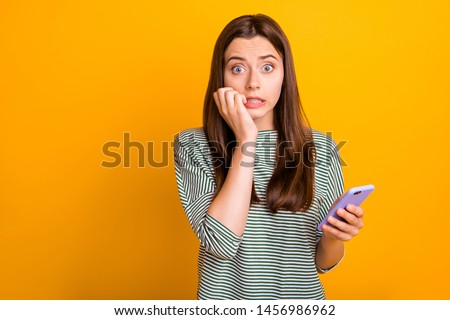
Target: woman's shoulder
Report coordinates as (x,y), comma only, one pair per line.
(191,136)
(325,146)
(320,137)
(192,141)
(324,141)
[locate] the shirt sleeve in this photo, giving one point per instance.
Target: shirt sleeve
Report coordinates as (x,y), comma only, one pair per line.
(196,188)
(334,187)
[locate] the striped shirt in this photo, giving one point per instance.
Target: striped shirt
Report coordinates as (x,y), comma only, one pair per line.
(275,256)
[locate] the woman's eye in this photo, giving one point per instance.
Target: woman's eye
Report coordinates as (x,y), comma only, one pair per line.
(237,69)
(267,68)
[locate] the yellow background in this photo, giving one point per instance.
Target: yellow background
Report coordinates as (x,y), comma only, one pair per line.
(76,74)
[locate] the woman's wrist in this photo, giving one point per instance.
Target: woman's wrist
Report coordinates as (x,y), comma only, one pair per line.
(245,152)
(330,242)
(246,139)
(329,252)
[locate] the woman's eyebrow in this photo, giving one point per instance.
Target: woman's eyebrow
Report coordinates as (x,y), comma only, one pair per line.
(267,56)
(259,58)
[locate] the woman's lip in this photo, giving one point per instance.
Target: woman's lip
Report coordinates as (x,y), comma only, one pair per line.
(254,102)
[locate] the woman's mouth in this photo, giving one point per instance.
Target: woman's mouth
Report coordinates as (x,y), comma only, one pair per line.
(254,102)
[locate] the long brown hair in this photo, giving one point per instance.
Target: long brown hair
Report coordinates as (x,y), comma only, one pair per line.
(291,187)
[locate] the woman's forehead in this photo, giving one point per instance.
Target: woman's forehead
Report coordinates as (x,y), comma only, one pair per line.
(257,45)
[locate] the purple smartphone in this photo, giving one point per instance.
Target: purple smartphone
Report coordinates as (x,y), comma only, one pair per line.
(354,196)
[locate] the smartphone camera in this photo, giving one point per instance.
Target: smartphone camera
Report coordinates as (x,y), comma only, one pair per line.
(357,192)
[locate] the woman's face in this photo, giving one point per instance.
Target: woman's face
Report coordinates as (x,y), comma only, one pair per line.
(254,68)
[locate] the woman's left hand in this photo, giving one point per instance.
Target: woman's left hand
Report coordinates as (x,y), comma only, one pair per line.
(341,230)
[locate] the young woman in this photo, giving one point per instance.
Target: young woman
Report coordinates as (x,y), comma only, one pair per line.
(256,180)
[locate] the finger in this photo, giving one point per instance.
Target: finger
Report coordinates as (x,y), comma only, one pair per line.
(351,218)
(230,98)
(239,100)
(335,233)
(220,91)
(343,226)
(221,96)
(347,216)
(357,211)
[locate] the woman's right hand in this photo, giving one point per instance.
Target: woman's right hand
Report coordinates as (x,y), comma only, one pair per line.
(232,109)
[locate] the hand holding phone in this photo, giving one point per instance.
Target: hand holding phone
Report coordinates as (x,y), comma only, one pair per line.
(354,196)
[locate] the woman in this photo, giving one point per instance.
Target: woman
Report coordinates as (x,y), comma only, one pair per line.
(256,181)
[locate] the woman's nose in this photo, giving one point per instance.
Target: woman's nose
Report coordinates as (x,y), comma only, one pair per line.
(253,81)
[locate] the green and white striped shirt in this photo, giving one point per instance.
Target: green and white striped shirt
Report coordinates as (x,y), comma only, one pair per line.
(275,257)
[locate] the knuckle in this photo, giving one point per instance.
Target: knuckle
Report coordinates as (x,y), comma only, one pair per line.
(342,225)
(230,95)
(330,229)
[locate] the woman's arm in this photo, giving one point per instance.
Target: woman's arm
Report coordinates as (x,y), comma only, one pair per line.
(232,203)
(330,248)
(196,187)
(329,252)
